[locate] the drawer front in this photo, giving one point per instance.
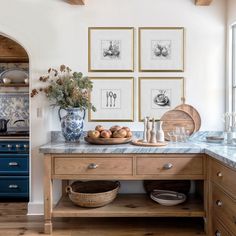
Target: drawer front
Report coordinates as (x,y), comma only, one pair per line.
(14,166)
(223,176)
(218,229)
(224,208)
(170,165)
(17,186)
(93,166)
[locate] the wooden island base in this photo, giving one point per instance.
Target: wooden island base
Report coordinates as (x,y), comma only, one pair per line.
(125,167)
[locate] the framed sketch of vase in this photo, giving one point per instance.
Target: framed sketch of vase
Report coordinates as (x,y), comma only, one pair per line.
(158,95)
(113,98)
(161,49)
(111,49)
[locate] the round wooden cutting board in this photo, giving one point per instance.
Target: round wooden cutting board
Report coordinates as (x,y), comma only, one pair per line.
(193,113)
(177,118)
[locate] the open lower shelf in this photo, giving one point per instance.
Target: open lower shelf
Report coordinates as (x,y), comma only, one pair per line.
(131,205)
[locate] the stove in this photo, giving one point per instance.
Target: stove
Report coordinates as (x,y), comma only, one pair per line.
(14,166)
(14,134)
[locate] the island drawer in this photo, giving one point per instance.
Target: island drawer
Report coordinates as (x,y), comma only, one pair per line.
(188,165)
(218,229)
(223,176)
(93,166)
(224,207)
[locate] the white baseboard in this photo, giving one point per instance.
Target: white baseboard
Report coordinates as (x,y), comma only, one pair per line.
(35,208)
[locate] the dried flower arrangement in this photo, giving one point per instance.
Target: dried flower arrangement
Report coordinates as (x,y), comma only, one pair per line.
(66,89)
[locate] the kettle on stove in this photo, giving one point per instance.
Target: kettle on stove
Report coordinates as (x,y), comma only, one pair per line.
(3,125)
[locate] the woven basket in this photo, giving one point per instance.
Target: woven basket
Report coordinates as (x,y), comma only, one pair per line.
(93,193)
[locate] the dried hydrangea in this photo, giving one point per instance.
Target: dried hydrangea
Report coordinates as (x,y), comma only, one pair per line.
(66,89)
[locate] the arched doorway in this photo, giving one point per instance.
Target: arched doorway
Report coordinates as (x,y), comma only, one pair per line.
(14,114)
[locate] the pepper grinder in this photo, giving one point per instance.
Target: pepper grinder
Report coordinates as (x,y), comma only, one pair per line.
(160,132)
(145,130)
(153,132)
(148,132)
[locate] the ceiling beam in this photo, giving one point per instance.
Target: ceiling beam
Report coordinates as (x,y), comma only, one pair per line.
(203,2)
(76,2)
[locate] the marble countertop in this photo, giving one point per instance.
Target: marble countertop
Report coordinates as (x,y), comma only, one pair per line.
(197,144)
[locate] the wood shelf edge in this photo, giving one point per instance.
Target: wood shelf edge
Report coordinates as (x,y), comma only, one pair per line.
(131,205)
(203,2)
(76,2)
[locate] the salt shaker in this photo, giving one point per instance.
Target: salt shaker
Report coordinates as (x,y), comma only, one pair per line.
(153,132)
(148,131)
(160,132)
(145,130)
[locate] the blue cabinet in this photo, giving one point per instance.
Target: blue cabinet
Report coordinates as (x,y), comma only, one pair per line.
(14,177)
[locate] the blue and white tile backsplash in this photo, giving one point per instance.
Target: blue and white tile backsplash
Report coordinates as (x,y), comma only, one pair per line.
(15,106)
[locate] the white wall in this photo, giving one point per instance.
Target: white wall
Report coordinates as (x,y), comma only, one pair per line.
(231,19)
(54,32)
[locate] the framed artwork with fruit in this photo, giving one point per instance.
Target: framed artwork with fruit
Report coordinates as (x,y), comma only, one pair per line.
(161,49)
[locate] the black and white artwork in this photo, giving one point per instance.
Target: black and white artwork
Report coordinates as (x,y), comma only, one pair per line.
(111,49)
(111,98)
(161,49)
(158,95)
(161,98)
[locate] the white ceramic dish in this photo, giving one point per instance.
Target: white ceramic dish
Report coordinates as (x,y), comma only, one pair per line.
(168,198)
(16,75)
(214,139)
(6,81)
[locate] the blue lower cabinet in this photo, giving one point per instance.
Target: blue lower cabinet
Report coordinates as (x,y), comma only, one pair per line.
(14,165)
(16,187)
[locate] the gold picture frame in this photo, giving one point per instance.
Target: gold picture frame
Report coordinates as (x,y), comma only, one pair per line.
(140,44)
(165,81)
(112,79)
(90,69)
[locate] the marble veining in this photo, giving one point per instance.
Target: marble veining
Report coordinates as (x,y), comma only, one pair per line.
(196,144)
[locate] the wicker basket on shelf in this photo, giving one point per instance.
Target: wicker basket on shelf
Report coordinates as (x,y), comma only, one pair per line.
(93,193)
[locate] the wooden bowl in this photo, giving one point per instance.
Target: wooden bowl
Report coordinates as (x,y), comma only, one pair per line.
(107,141)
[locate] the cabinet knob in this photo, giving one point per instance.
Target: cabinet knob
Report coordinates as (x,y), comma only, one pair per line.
(219,203)
(13,186)
(92,166)
(13,164)
(219,174)
(9,146)
(26,146)
(217,233)
(167,166)
(17,145)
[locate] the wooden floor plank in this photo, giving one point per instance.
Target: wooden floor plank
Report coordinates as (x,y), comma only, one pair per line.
(106,227)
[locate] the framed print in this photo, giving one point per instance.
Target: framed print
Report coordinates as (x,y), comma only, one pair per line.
(111,49)
(161,49)
(113,98)
(159,95)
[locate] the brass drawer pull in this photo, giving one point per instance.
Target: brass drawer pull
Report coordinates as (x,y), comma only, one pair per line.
(219,203)
(13,186)
(217,233)
(13,164)
(167,166)
(92,166)
(219,174)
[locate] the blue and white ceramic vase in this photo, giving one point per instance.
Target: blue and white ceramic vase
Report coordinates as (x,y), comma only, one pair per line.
(72,124)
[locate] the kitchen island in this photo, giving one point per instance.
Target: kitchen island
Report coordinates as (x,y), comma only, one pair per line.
(182,161)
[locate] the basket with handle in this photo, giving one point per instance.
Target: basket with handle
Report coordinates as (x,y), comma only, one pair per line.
(93,193)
